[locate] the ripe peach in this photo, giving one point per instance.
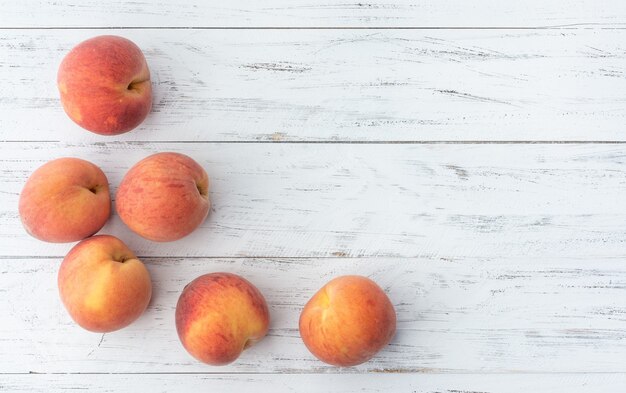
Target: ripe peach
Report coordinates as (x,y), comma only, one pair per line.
(105,85)
(164,197)
(103,285)
(219,315)
(65,200)
(347,321)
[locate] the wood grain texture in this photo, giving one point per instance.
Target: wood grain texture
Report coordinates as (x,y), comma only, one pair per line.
(337,383)
(325,129)
(311,13)
(465,315)
(340,85)
(324,200)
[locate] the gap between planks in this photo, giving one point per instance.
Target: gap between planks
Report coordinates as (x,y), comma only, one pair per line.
(338,372)
(572,26)
(338,142)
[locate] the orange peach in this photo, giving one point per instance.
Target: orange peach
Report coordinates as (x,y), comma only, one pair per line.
(219,315)
(103,285)
(164,197)
(65,200)
(347,321)
(105,85)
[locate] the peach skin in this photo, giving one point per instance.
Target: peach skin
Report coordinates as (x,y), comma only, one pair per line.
(104,84)
(164,197)
(65,200)
(103,285)
(347,321)
(219,315)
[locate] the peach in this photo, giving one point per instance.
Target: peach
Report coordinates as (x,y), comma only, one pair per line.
(104,84)
(219,315)
(164,197)
(65,200)
(347,321)
(103,285)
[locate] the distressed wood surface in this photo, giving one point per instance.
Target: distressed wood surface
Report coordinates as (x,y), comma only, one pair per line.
(392,139)
(464,315)
(324,200)
(312,13)
(340,85)
(337,383)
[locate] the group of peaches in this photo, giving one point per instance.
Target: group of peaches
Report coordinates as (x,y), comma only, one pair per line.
(105,87)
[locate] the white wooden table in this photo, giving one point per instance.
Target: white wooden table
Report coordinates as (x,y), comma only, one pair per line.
(469,156)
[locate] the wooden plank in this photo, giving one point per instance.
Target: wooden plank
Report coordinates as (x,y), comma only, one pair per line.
(340,85)
(465,315)
(311,13)
(324,200)
(338,383)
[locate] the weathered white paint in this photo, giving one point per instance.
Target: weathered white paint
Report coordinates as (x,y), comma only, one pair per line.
(318,200)
(336,383)
(340,85)
(505,262)
(463,315)
(311,13)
